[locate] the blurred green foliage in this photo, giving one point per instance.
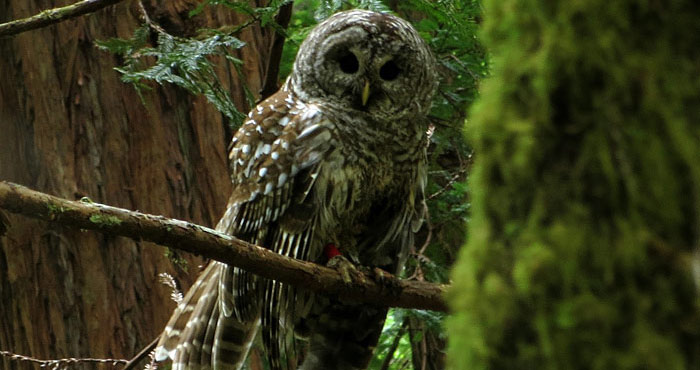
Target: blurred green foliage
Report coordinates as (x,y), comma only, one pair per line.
(584,227)
(449,27)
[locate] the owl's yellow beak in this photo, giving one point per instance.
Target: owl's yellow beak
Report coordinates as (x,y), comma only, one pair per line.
(365,93)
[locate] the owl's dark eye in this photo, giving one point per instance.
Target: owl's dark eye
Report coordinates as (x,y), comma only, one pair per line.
(349,63)
(389,71)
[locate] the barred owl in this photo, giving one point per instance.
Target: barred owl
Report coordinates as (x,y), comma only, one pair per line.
(335,158)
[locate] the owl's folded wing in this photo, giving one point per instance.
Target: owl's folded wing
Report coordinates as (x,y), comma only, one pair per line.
(273,158)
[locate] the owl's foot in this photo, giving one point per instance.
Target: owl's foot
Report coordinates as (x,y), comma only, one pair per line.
(386,280)
(380,276)
(347,269)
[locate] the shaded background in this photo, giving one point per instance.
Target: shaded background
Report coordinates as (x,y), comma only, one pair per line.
(69,127)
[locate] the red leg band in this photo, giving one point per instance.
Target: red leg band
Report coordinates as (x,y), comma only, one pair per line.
(331,250)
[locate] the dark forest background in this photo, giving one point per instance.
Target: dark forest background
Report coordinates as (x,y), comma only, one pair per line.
(575,192)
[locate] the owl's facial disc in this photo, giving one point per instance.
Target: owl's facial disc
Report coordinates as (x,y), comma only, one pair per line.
(340,64)
(355,67)
(367,63)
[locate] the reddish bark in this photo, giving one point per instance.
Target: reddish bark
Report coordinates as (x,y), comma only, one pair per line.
(70,127)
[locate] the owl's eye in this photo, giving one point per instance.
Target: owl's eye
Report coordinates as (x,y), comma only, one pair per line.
(389,71)
(348,63)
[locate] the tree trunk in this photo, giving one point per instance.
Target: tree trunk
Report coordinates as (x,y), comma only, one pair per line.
(585,230)
(69,127)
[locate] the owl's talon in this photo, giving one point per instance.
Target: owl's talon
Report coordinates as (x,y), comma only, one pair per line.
(386,280)
(347,269)
(380,276)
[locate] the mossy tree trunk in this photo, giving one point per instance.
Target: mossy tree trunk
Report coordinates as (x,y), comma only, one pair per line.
(585,229)
(70,127)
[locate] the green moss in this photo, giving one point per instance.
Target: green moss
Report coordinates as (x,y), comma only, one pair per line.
(585,190)
(54,209)
(86,200)
(175,257)
(105,220)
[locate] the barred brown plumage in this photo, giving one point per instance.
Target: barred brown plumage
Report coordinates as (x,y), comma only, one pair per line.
(337,156)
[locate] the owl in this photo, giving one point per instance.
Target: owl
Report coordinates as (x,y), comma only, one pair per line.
(331,166)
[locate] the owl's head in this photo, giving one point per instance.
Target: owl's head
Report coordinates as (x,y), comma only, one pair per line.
(367,62)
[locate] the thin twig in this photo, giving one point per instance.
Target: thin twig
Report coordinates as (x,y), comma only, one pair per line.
(64,363)
(141,355)
(225,248)
(464,66)
(61,363)
(420,253)
(449,184)
(429,237)
(147,19)
(55,15)
(424,350)
(404,364)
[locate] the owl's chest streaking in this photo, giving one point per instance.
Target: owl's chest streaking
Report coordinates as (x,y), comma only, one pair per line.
(303,166)
(366,186)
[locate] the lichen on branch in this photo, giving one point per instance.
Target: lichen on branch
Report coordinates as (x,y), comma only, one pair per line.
(224,248)
(50,16)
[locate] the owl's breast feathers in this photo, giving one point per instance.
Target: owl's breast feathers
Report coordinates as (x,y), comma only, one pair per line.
(304,164)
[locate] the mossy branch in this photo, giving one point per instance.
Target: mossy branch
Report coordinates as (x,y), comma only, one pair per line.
(55,15)
(85,214)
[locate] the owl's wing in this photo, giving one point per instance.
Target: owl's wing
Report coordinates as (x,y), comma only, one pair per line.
(273,155)
(274,159)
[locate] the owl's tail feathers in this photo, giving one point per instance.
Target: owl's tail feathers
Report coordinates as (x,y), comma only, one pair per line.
(344,337)
(199,335)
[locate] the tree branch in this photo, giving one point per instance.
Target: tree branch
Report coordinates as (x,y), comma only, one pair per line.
(201,240)
(55,15)
(283,17)
(142,354)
